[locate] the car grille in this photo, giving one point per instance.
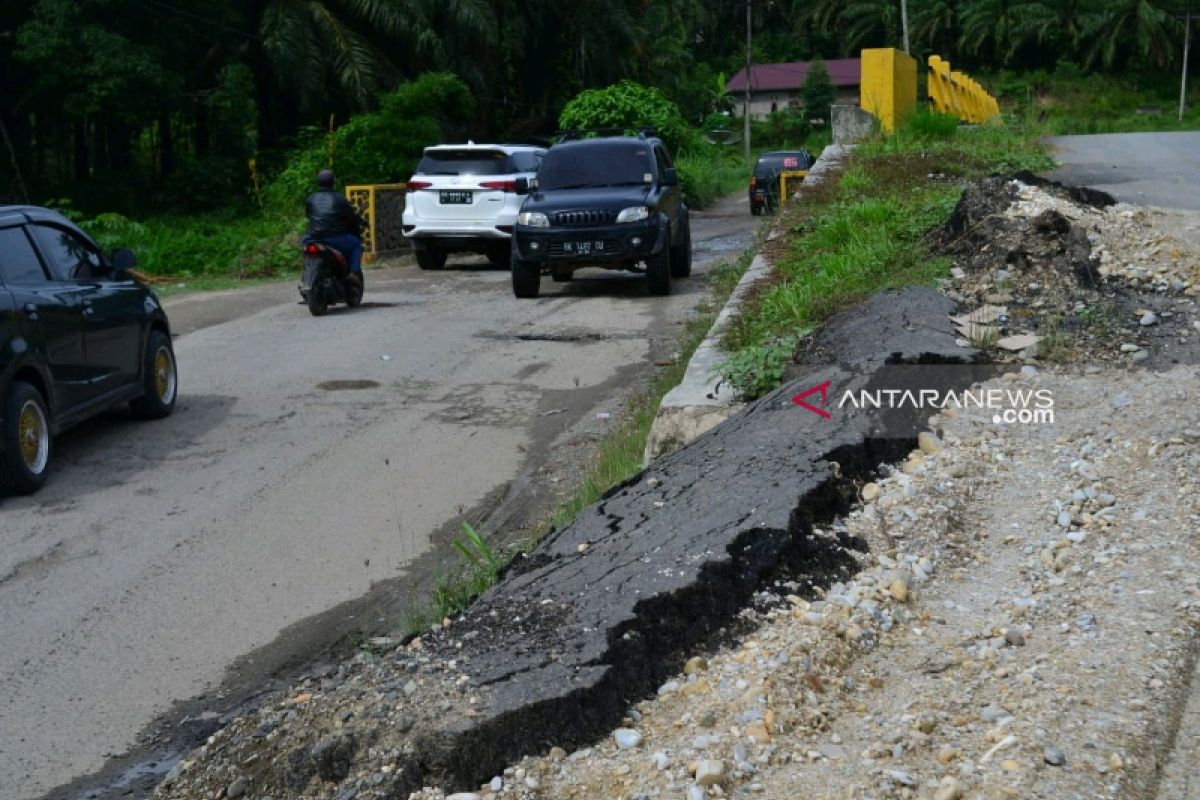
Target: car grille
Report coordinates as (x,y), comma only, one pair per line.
(584,218)
(610,247)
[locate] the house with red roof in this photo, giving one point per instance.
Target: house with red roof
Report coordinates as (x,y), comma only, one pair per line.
(774,87)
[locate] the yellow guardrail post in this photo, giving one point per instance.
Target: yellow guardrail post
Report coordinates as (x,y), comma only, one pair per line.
(952,92)
(381,205)
(788,174)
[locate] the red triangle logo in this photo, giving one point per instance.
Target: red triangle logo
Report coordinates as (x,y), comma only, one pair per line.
(823,388)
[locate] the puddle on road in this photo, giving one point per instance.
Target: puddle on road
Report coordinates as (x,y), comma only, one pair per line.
(140,777)
(345,386)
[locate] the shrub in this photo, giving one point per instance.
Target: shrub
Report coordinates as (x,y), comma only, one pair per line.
(927,124)
(379,147)
(631,106)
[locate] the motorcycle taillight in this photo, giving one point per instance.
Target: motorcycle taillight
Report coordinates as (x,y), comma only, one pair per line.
(311,249)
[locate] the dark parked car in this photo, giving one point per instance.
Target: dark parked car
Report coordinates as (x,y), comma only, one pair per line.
(78,335)
(612,202)
(764,181)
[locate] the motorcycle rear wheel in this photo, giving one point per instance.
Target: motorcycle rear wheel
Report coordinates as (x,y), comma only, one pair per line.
(317,305)
(354,293)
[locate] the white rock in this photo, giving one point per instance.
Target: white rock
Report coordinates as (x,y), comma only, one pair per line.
(710,771)
(627,738)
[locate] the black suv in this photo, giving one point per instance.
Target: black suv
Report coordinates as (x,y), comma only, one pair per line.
(78,335)
(612,202)
(764,181)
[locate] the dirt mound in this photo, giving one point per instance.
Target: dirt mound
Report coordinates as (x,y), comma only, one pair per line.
(1057,273)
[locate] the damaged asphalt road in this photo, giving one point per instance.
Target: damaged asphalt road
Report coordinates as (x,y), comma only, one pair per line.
(313,473)
(598,613)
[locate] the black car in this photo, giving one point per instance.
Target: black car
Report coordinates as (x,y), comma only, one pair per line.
(78,335)
(764,180)
(612,202)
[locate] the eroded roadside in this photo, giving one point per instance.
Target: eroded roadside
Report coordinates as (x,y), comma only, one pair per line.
(944,659)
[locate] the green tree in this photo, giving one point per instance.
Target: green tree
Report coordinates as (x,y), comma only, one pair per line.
(631,106)
(993,30)
(1144,29)
(818,92)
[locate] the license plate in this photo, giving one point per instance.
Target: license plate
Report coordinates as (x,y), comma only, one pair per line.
(455,198)
(583,248)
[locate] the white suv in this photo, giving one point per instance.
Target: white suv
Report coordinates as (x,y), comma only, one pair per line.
(462,198)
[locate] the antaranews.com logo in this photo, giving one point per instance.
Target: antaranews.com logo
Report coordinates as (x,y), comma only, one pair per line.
(1007,406)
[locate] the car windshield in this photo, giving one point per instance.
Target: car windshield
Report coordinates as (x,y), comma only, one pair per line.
(576,168)
(465,162)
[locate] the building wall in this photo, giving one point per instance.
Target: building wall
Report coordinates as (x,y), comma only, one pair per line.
(761,102)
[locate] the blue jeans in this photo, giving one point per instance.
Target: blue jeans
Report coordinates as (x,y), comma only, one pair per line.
(350,246)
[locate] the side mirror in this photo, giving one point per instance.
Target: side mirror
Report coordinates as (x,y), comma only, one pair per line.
(671,177)
(522,186)
(123,259)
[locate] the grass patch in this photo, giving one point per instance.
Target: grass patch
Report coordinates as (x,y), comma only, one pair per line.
(708,176)
(865,231)
(1068,101)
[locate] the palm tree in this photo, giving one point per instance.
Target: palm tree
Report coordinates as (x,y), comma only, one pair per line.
(993,30)
(314,45)
(1058,25)
(1144,28)
(935,26)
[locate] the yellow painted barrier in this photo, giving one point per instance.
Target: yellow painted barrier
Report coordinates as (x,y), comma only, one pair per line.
(382,206)
(952,92)
(794,175)
(888,86)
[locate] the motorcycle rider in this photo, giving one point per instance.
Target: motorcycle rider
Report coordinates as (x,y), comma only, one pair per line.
(333,221)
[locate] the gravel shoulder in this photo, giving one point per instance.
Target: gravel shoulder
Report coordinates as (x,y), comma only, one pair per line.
(989,647)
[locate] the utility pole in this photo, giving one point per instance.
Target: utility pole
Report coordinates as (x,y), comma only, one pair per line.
(746,105)
(904,22)
(1187,36)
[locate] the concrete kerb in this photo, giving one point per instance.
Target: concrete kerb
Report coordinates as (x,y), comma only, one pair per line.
(703,400)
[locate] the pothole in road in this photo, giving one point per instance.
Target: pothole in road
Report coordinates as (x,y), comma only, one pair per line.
(342,386)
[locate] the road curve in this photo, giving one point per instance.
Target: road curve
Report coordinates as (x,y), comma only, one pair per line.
(308,459)
(1147,169)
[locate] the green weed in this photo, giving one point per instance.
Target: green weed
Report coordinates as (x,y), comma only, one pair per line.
(866,232)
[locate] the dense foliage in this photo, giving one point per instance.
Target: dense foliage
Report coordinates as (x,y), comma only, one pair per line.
(141,105)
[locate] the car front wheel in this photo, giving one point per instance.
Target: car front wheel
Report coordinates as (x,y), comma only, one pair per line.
(25,461)
(658,272)
(160,379)
(681,256)
(526,278)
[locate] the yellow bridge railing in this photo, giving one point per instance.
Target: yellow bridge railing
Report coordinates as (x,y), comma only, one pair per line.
(382,206)
(789,176)
(952,92)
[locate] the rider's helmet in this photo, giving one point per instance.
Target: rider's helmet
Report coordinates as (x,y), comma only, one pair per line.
(325,179)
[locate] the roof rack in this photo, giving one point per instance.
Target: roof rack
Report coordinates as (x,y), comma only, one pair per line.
(623,130)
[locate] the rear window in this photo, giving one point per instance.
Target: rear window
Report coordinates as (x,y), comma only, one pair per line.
(776,162)
(578,167)
(465,162)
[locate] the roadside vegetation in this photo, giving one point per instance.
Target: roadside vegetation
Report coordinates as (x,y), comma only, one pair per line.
(1069,100)
(864,231)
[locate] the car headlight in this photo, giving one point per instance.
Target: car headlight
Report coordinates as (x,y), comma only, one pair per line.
(633,214)
(533,219)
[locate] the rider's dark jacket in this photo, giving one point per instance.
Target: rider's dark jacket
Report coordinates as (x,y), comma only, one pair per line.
(330,214)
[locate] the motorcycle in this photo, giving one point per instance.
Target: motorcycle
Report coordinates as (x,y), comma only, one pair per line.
(328,279)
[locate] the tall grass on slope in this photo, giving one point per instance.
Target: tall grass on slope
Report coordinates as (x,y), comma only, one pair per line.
(866,233)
